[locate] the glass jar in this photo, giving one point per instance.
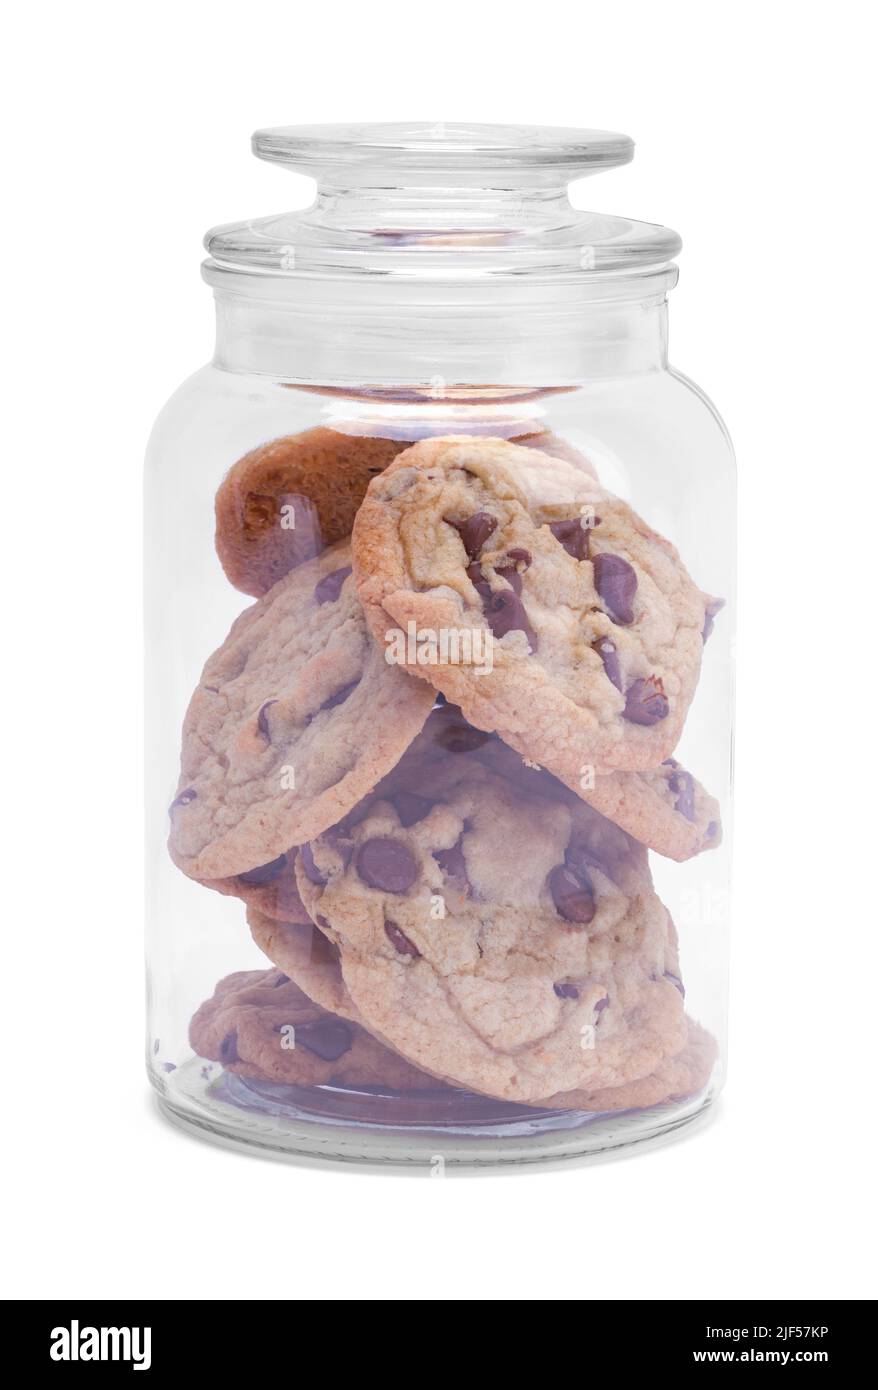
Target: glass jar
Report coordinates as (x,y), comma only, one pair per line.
(435,547)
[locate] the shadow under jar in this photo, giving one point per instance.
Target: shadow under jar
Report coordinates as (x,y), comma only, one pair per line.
(440,575)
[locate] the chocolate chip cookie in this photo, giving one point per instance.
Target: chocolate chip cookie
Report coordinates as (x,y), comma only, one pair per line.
(308,956)
(666,809)
(676,1078)
(282,503)
(295,718)
(314,963)
(553,444)
(258,1023)
(534,599)
(268,888)
(512,945)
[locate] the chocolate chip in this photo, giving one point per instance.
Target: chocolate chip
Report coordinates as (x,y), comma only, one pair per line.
(264,873)
(183,799)
(573,536)
(338,839)
(312,873)
(711,608)
(601,1005)
(616,583)
(330,586)
(676,982)
(169,1066)
(387,865)
(453,866)
(340,696)
(323,951)
(572,894)
(711,830)
(474,531)
(682,784)
(510,571)
(478,580)
(511,575)
(262,722)
(456,736)
(280,979)
(505,613)
(411,808)
(646,701)
(399,940)
(608,654)
(228,1048)
(565,990)
(519,556)
(328,1038)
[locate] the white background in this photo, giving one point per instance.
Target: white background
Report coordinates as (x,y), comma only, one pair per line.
(127,135)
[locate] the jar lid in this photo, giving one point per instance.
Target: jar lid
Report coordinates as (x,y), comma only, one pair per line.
(444,147)
(442,204)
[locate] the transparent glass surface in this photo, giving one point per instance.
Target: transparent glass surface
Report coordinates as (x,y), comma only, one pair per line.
(445,873)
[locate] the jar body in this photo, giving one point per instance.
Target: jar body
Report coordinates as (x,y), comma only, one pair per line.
(239,1072)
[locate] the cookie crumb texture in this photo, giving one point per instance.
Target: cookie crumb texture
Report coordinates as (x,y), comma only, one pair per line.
(446,903)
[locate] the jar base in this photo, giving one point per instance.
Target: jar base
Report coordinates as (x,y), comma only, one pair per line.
(421,1129)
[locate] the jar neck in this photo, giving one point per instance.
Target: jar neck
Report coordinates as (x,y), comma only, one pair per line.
(297,332)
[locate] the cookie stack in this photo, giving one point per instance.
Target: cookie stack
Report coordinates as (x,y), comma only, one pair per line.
(431,759)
